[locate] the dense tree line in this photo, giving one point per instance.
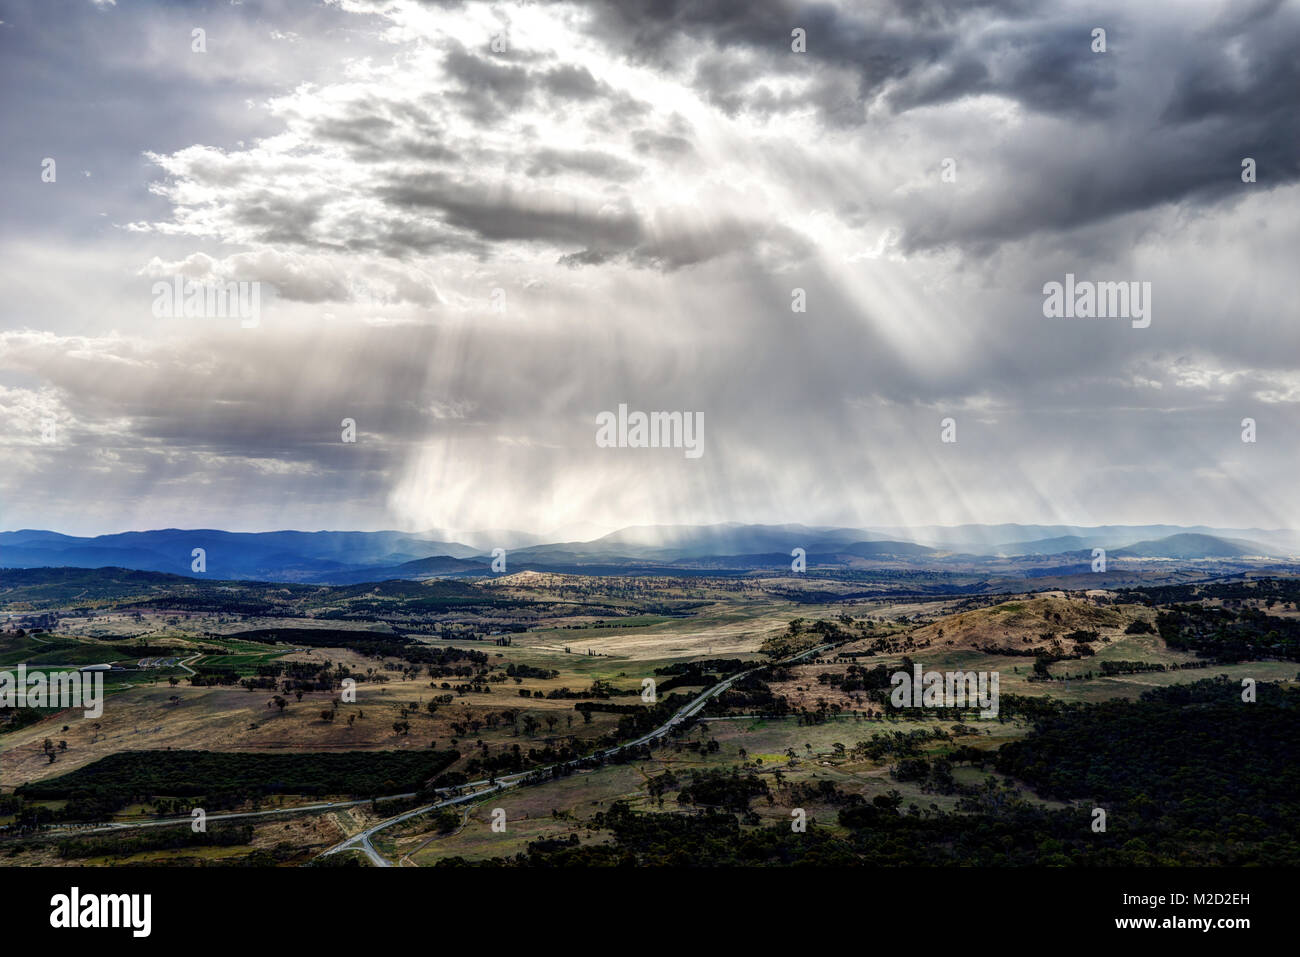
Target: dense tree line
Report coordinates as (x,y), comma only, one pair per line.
(118,779)
(373,644)
(1223,634)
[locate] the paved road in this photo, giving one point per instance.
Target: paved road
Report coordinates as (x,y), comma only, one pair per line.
(361,841)
(480,788)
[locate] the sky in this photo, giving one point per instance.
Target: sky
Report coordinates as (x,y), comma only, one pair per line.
(474,228)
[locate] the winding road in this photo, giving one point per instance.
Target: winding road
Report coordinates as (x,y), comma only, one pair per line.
(481,788)
(361,840)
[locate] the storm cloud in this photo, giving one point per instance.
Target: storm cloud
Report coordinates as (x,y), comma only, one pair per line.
(477,226)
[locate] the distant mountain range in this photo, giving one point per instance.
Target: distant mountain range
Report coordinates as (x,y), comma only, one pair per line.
(352,557)
(264,556)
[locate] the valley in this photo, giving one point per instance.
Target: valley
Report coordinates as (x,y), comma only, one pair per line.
(441,703)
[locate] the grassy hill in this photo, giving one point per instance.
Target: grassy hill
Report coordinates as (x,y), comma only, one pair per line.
(1027,624)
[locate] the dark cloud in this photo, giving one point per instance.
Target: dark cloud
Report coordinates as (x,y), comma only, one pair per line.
(502,213)
(489,86)
(1169,111)
(585,257)
(662,144)
(281,219)
(572,83)
(596,163)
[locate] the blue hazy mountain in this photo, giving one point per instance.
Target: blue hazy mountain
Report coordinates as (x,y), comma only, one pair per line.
(270,556)
(334,557)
